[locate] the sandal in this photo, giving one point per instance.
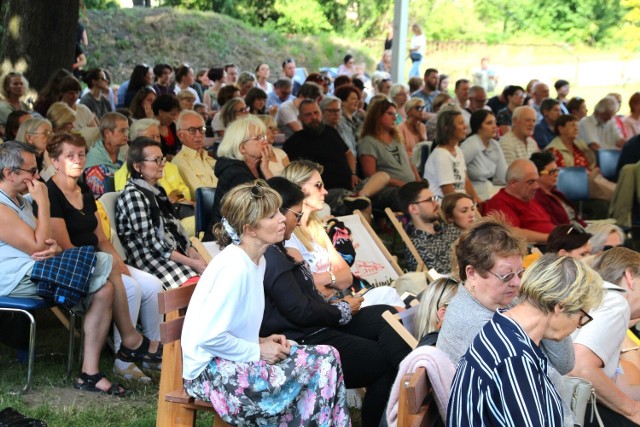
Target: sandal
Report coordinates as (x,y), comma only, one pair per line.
(140,354)
(89,384)
(9,417)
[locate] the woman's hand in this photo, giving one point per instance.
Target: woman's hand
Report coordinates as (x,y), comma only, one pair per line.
(274,348)
(198,264)
(122,266)
(354,303)
(264,160)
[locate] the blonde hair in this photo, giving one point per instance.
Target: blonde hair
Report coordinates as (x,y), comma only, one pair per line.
(60,114)
(245,205)
(612,264)
(299,172)
(561,280)
(237,134)
(186,94)
(438,294)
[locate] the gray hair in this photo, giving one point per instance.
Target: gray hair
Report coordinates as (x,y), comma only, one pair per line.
(329,99)
(238,132)
(139,126)
(608,104)
(397,88)
(599,234)
(109,121)
(519,110)
(183,114)
(11,155)
(30,126)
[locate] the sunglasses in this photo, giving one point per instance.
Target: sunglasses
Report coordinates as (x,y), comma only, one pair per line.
(257,191)
(506,278)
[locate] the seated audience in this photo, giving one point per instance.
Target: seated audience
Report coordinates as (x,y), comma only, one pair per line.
(412,130)
(216,77)
(351,118)
(562,91)
(165,110)
(503,377)
(35,243)
(630,154)
(599,130)
(433,307)
(162,77)
(514,96)
(486,166)
(517,203)
(299,312)
(141,76)
(263,72)
(597,345)
(517,143)
(568,149)
(544,131)
(14,120)
(604,237)
(281,93)
(61,117)
(37,132)
(459,209)
(577,108)
(569,240)
(381,150)
(256,100)
(187,99)
(246,81)
(153,238)
(224,355)
(632,121)
(94,99)
(141,104)
(560,209)
(288,112)
(50,93)
(446,168)
(278,159)
(185,78)
(14,87)
(75,222)
(431,236)
(399,94)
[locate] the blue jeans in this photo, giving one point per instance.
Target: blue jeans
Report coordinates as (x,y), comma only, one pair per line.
(415,69)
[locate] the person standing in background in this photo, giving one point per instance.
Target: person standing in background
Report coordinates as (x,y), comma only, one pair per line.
(416,50)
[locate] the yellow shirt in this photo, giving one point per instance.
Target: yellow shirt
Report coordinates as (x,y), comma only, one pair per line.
(196,168)
(171,181)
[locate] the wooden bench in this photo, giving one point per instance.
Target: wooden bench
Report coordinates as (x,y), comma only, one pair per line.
(175,407)
(416,404)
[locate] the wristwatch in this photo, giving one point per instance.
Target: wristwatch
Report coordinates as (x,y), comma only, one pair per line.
(333,279)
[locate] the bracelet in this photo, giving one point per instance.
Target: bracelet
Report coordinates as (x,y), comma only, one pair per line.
(333,279)
(353,173)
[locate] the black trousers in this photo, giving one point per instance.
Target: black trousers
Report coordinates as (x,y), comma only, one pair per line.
(370,352)
(609,418)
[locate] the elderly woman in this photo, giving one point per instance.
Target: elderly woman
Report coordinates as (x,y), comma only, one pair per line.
(502,379)
(567,148)
(433,306)
(446,169)
(351,119)
(153,238)
(278,159)
(141,104)
(243,156)
(299,312)
(25,239)
(14,86)
(399,94)
(249,379)
(483,155)
(37,132)
(412,130)
(604,237)
(381,149)
(459,209)
(75,222)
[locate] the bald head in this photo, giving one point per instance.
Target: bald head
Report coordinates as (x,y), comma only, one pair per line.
(522,180)
(540,92)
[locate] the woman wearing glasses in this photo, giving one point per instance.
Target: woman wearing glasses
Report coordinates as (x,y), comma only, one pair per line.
(295,308)
(75,223)
(243,156)
(489,259)
(37,132)
(486,166)
(232,110)
(412,129)
(153,238)
(251,378)
(502,379)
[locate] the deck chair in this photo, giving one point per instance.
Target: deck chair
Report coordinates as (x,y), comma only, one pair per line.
(393,217)
(403,323)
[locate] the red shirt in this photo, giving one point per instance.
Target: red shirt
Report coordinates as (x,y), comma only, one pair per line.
(528,215)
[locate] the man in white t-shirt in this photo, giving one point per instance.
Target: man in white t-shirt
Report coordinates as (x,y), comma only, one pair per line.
(287,116)
(599,130)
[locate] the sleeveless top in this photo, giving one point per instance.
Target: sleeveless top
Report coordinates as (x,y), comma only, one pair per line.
(317,260)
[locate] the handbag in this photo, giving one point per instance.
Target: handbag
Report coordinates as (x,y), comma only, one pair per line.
(415,56)
(578,392)
(64,279)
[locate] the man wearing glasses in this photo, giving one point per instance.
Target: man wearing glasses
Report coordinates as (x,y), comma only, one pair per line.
(431,237)
(193,161)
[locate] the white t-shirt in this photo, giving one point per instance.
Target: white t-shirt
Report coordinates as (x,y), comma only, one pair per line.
(287,113)
(419,43)
(443,168)
(318,260)
(225,313)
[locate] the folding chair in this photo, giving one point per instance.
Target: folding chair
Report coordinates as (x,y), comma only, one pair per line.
(393,217)
(403,323)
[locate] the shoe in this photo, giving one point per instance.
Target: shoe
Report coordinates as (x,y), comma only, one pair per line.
(152,366)
(351,203)
(131,372)
(89,383)
(140,354)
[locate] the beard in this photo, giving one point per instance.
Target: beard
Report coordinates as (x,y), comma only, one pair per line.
(315,128)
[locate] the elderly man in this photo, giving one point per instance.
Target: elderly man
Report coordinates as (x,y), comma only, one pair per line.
(281,93)
(428,92)
(289,71)
(599,130)
(287,116)
(477,100)
(516,201)
(431,236)
(540,93)
(544,131)
(517,143)
(193,161)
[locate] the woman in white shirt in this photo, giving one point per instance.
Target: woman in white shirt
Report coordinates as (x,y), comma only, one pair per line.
(251,380)
(416,50)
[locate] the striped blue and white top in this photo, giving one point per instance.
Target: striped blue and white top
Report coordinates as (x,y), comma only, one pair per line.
(502,381)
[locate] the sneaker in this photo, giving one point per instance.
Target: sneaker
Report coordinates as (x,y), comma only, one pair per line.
(351,203)
(131,372)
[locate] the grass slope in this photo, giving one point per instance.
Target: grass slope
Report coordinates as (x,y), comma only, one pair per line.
(121,38)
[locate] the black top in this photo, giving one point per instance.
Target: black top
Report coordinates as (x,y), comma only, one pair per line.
(328,149)
(495,104)
(293,307)
(81,224)
(630,153)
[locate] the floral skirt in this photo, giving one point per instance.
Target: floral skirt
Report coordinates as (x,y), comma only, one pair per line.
(307,388)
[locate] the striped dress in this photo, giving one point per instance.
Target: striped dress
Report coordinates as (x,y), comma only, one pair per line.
(502,381)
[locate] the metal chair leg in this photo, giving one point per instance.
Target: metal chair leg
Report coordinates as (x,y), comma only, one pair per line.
(32,347)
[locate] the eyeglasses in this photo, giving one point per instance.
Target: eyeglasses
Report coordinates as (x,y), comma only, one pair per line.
(584,318)
(32,171)
(241,110)
(46,133)
(432,199)
(192,131)
(259,138)
(319,185)
(555,171)
(298,215)
(506,278)
(333,110)
(419,108)
(448,281)
(157,160)
(481,101)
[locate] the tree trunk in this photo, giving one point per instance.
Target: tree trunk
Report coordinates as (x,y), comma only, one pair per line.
(39,38)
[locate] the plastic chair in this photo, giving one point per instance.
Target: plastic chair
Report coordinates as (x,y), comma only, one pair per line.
(608,163)
(25,306)
(574,183)
(204,207)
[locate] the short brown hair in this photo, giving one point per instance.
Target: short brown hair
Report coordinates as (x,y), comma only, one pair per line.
(54,146)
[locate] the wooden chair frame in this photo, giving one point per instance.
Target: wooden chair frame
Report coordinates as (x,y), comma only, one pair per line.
(421,265)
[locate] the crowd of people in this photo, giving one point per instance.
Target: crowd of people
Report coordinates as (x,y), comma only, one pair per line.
(273,334)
